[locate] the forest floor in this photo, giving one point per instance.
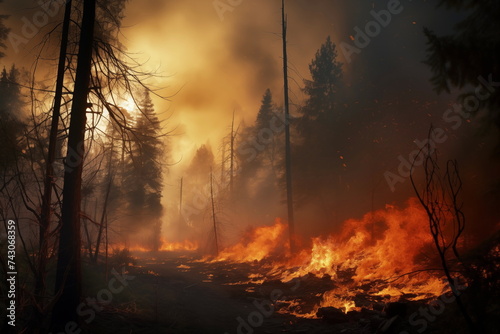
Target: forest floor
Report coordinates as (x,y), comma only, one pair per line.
(172,292)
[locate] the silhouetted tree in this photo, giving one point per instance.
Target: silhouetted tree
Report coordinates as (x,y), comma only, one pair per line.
(260,158)
(10,116)
(4,33)
(318,154)
(288,144)
(143,179)
(326,74)
(196,186)
(266,111)
(68,276)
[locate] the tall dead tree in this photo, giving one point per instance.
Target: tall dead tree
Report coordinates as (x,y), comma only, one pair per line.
(68,275)
(45,215)
(213,212)
(223,162)
(231,169)
(288,157)
(103,220)
(180,197)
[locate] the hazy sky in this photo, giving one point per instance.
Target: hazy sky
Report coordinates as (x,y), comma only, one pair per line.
(217,57)
(220,65)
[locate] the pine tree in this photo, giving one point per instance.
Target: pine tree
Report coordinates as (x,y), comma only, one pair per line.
(10,116)
(326,74)
(319,128)
(195,182)
(268,149)
(143,180)
(4,33)
(266,111)
(11,101)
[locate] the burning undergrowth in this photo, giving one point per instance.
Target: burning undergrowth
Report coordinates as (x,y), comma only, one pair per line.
(385,256)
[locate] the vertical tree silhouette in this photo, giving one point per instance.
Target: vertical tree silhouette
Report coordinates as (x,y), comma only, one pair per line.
(144,176)
(288,150)
(320,129)
(45,215)
(68,275)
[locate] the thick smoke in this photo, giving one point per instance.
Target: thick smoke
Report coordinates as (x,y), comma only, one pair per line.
(212,68)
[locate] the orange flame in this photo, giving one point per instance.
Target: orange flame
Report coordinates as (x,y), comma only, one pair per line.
(185,245)
(257,245)
(166,246)
(382,247)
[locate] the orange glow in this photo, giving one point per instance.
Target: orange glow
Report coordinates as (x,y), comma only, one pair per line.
(186,245)
(166,246)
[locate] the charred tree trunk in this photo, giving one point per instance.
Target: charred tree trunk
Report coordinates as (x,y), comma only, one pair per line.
(106,250)
(85,226)
(288,157)
(105,205)
(223,162)
(45,215)
(231,176)
(68,276)
(213,213)
(180,199)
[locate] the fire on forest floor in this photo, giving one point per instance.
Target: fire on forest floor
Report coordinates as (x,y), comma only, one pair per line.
(376,268)
(384,257)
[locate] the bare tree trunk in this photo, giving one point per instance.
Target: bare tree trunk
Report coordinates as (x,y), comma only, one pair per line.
(106,271)
(288,157)
(213,213)
(85,226)
(105,205)
(223,162)
(180,199)
(68,276)
(231,176)
(51,154)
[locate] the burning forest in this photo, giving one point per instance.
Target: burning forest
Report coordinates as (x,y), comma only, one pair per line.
(249,166)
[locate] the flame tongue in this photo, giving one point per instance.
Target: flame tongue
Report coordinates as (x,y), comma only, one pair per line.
(260,243)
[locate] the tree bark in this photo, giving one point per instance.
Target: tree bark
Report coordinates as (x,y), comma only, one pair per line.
(105,205)
(288,157)
(51,154)
(213,213)
(231,175)
(68,275)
